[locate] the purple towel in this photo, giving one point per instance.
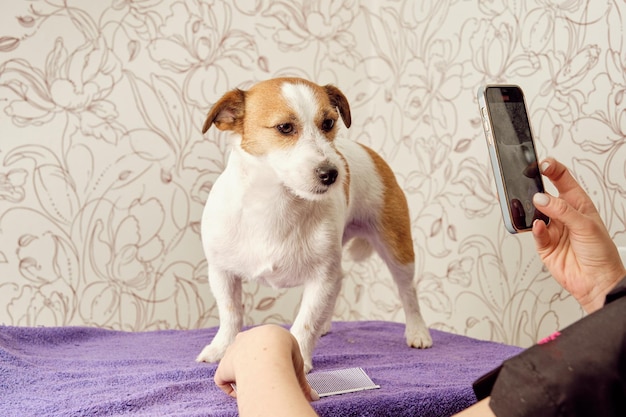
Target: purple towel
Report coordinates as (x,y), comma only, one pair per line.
(77,371)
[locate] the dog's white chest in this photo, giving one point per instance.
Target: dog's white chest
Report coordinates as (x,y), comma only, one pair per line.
(257,231)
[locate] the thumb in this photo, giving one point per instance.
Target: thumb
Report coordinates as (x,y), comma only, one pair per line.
(558,209)
(298,363)
(307,390)
(561,215)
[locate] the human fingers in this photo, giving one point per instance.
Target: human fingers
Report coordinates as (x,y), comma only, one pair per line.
(224,376)
(307,390)
(224,381)
(298,364)
(548,240)
(558,210)
(541,234)
(569,189)
(558,174)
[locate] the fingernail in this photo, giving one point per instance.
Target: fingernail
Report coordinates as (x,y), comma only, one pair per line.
(314,395)
(540,199)
(545,165)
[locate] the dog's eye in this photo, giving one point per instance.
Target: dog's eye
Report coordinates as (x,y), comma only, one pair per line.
(327,125)
(286,128)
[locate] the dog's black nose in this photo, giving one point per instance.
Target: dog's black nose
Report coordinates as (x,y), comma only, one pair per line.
(327,174)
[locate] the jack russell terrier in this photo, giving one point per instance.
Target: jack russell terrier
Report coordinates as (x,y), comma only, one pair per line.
(292,195)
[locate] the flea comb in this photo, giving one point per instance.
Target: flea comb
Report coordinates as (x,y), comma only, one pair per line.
(340,381)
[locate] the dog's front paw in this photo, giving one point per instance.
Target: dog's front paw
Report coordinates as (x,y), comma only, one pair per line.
(211,353)
(419,338)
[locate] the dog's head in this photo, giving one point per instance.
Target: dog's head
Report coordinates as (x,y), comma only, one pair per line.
(291,124)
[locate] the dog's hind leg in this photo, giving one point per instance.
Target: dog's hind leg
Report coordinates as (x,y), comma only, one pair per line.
(226,289)
(416,332)
(390,236)
(394,244)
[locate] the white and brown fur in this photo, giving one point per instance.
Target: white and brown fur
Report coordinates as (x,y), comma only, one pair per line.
(292,195)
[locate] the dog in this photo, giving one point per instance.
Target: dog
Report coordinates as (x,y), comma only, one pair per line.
(293,193)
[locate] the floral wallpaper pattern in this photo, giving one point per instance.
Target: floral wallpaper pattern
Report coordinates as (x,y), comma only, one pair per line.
(104,170)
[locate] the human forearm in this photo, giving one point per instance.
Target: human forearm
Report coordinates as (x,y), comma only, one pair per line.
(480,409)
(266,365)
(278,394)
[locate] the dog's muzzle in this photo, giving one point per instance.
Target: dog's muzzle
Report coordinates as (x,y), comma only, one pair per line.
(327,174)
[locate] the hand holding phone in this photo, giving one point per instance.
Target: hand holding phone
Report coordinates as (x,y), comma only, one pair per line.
(512,153)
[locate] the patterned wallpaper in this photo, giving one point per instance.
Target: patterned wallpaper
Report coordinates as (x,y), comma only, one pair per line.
(104,170)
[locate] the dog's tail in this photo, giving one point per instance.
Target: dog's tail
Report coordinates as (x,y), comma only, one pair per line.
(360,249)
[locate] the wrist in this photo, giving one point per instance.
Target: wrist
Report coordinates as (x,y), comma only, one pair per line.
(267,377)
(268,344)
(597,298)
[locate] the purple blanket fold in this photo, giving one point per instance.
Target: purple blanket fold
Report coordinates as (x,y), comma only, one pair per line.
(77,371)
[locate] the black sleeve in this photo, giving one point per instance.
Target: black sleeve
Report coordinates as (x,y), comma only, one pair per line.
(581,371)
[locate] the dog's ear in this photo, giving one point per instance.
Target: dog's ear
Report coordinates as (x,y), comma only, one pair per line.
(340,101)
(227,113)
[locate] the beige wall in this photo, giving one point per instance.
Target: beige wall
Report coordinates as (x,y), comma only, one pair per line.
(103,169)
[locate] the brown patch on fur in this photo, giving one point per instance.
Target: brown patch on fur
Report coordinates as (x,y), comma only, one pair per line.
(395,223)
(338,100)
(255,113)
(265,109)
(227,113)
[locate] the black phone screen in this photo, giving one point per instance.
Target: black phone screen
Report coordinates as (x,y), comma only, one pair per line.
(516,153)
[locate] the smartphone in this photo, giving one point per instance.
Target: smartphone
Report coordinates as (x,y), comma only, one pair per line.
(512,152)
